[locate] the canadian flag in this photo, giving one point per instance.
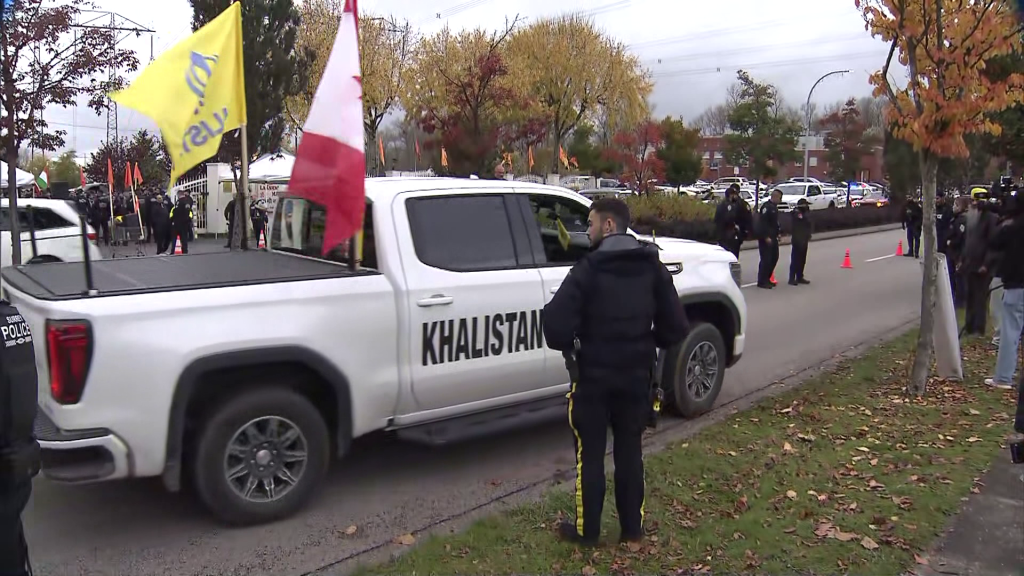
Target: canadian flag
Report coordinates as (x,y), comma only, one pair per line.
(330,163)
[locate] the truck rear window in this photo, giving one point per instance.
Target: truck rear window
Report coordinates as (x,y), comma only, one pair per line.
(298,228)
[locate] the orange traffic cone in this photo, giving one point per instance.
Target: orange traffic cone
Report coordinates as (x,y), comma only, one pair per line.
(177,245)
(262,244)
(846,260)
(772,279)
(899,249)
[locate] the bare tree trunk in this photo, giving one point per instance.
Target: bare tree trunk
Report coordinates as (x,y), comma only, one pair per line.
(239,233)
(12,193)
(925,341)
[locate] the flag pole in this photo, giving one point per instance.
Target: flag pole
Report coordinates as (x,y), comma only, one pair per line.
(138,209)
(240,214)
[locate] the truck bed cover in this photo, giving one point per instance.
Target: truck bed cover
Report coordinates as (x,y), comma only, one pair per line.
(127,276)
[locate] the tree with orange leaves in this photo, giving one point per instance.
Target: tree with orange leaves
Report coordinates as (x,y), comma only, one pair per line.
(945,46)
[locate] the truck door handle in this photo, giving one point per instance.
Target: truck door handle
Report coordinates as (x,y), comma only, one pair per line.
(436,300)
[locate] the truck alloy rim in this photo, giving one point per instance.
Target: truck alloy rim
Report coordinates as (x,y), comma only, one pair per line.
(701,370)
(265,459)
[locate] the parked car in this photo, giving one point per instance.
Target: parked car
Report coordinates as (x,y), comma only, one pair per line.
(818,197)
(58,232)
(873,199)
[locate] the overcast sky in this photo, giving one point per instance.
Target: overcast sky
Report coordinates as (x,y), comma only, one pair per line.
(693,48)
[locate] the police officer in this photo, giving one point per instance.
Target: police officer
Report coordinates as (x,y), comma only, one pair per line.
(101,216)
(801,230)
(955,248)
(181,224)
(19,450)
(82,203)
(613,309)
(913,218)
(943,226)
(258,217)
(728,218)
(159,222)
(768,231)
(229,213)
(152,203)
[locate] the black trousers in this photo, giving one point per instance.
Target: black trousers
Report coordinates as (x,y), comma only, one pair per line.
(914,241)
(14,496)
(977,303)
(797,261)
(732,246)
(105,227)
(769,252)
(231,232)
(625,407)
(162,234)
(1018,422)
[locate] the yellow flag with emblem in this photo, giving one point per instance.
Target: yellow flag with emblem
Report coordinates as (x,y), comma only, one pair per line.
(195,92)
(563,235)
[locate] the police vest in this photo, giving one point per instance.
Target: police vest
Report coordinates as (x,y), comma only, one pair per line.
(19,451)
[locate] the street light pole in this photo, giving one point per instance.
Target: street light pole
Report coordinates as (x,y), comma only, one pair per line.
(807,108)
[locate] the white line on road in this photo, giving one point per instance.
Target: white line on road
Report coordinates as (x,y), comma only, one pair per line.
(749,285)
(880,258)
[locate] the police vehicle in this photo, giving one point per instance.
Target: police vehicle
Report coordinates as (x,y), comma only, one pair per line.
(248,370)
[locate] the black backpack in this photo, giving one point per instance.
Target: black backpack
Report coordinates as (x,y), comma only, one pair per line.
(19,451)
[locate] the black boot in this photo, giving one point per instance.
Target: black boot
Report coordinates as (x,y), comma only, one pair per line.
(567,532)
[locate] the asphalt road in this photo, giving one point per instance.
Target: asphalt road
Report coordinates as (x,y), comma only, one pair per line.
(386,488)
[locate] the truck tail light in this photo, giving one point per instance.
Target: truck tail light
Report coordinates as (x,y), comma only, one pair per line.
(92,237)
(69,352)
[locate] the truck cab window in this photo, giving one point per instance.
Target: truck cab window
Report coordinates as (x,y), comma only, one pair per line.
(549,210)
(462,233)
(299,228)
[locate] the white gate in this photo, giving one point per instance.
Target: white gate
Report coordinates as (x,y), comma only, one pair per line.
(197,188)
(531,178)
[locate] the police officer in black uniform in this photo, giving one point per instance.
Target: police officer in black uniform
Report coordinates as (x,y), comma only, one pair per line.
(82,203)
(801,239)
(955,248)
(614,308)
(259,219)
(913,219)
(728,219)
(181,224)
(768,231)
(943,227)
(101,217)
(19,450)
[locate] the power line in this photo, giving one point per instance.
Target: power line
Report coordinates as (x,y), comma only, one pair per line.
(683,38)
(763,65)
(758,49)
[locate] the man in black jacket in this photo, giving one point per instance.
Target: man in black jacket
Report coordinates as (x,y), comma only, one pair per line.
(728,220)
(614,308)
(768,231)
(913,219)
(800,241)
(955,249)
(976,263)
(181,224)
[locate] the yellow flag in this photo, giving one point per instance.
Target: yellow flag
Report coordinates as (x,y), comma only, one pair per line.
(563,236)
(195,91)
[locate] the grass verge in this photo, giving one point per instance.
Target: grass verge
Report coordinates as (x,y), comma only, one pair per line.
(845,473)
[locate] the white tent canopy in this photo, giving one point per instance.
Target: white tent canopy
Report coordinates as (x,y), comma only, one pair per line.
(22,178)
(275,168)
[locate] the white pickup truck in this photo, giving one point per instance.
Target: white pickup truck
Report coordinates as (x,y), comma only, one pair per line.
(818,196)
(245,372)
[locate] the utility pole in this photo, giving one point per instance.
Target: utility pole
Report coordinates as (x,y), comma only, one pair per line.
(115,24)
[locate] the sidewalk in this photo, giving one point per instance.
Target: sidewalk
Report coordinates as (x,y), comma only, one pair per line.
(785,240)
(987,537)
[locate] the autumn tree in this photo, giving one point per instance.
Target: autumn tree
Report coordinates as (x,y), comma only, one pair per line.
(572,69)
(144,148)
(764,133)
(846,144)
(385,46)
(636,150)
(64,168)
(464,94)
(945,46)
(275,70)
(680,152)
(41,66)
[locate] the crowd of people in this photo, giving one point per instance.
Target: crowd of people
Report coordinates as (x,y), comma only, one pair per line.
(159,220)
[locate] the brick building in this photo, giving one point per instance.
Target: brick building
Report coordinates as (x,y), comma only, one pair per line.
(712,149)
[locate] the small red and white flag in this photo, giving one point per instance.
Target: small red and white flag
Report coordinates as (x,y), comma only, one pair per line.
(330,163)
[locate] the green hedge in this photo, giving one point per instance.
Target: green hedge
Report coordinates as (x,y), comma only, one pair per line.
(684,217)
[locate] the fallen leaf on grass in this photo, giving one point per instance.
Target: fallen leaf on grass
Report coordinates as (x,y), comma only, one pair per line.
(634,547)
(843,536)
(789,530)
(787,448)
(875,485)
(920,560)
(351,530)
(869,544)
(974,439)
(731,453)
(791,495)
(973,412)
(588,570)
(406,540)
(823,529)
(863,449)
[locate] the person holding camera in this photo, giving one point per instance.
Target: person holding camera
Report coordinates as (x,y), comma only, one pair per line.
(1008,241)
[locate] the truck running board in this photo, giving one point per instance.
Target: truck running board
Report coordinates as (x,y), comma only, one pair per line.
(486,423)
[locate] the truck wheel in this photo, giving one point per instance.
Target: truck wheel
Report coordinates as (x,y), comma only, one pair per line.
(260,456)
(695,370)
(831,205)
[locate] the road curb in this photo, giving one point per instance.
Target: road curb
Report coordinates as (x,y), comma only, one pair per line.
(784,241)
(662,438)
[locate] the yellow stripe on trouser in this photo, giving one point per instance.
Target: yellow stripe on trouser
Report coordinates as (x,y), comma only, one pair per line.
(579,465)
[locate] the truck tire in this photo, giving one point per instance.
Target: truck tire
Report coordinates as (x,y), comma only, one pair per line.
(260,456)
(695,370)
